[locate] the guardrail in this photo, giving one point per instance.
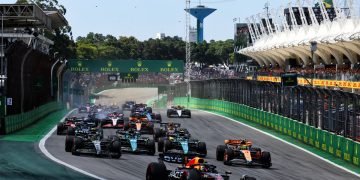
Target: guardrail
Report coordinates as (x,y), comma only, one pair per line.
(338,146)
(20,121)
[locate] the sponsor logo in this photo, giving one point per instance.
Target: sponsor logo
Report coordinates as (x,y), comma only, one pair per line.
(139,63)
(176,174)
(173,159)
(109,63)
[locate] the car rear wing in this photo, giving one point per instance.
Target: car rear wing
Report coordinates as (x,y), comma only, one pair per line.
(177,125)
(178,157)
(237,142)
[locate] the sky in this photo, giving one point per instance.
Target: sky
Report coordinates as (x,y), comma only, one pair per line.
(144,18)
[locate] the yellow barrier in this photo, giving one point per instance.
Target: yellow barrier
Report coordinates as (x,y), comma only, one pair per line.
(316,82)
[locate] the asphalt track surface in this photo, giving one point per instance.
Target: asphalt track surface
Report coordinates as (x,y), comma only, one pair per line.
(288,162)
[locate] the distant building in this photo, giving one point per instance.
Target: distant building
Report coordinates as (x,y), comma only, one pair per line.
(160,35)
(193,34)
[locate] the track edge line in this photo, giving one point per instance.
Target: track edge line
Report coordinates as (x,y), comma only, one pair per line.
(51,157)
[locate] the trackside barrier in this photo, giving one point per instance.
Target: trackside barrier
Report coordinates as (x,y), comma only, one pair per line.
(338,146)
(19,121)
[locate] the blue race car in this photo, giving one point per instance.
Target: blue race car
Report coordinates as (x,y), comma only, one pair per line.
(132,141)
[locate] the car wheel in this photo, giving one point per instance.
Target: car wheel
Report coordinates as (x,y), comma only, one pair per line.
(151,147)
(157,134)
(266,159)
(220,150)
(69,143)
(161,144)
(59,129)
(115,150)
(158,117)
(156,171)
(167,145)
(202,149)
(228,156)
(76,146)
(71,131)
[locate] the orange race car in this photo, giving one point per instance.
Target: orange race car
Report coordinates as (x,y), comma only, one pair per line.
(140,122)
(241,152)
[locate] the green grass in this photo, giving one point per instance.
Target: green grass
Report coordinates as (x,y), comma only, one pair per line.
(38,130)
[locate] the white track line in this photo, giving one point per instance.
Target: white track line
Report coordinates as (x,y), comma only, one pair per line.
(50,156)
(293,145)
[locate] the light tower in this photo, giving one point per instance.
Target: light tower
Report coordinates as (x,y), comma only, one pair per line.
(200,12)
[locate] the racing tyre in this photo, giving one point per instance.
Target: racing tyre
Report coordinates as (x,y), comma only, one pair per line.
(149,109)
(151,147)
(156,171)
(76,146)
(161,145)
(126,124)
(167,145)
(157,134)
(266,159)
(228,156)
(220,150)
(69,141)
(71,131)
(202,149)
(59,128)
(189,114)
(158,117)
(115,150)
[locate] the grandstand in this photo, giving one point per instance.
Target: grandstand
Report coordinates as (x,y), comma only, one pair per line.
(317,40)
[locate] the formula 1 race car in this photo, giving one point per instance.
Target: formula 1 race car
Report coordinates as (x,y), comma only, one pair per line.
(86,128)
(140,122)
(241,152)
(113,120)
(141,108)
(132,141)
(68,125)
(196,168)
(84,109)
(170,129)
(178,111)
(178,143)
(128,105)
(95,145)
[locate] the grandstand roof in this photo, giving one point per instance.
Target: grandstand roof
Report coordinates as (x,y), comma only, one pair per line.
(337,40)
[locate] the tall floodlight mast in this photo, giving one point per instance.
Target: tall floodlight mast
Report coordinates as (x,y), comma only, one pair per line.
(188,47)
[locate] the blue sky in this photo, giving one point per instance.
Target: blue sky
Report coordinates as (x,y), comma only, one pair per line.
(144,18)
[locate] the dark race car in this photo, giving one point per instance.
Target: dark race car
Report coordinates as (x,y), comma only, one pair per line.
(132,141)
(84,109)
(95,145)
(169,129)
(241,152)
(140,122)
(128,105)
(141,108)
(83,129)
(113,120)
(178,111)
(182,144)
(68,125)
(196,168)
